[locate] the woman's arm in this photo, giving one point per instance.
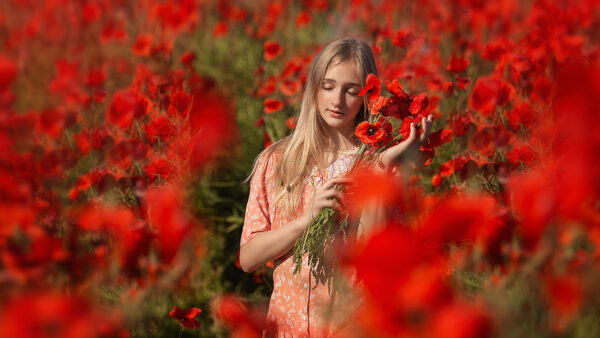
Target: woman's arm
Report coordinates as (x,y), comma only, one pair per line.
(272,244)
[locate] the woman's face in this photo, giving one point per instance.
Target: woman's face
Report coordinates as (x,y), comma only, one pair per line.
(337,97)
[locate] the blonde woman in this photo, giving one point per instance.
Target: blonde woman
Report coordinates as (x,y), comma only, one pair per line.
(293,179)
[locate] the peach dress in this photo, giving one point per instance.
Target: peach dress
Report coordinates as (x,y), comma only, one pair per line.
(299,307)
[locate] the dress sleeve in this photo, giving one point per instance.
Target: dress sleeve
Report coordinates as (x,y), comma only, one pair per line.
(257,217)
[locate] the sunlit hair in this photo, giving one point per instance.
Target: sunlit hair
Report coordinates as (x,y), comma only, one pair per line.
(308,144)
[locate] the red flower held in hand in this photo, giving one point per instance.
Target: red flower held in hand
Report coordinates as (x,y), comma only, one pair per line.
(419,104)
(375,135)
(373,88)
(186,317)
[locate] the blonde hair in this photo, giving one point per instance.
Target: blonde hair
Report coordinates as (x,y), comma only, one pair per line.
(304,148)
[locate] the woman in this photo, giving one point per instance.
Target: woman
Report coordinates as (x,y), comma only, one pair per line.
(293,179)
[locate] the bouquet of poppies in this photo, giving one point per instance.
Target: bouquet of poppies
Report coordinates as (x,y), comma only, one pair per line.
(376,135)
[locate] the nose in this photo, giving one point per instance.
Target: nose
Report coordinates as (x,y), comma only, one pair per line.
(339,98)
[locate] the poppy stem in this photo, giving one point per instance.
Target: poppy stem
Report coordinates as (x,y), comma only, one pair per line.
(181,332)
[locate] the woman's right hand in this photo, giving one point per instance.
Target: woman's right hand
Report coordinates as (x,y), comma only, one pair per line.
(326,196)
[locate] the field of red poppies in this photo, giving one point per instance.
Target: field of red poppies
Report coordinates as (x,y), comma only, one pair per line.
(127,128)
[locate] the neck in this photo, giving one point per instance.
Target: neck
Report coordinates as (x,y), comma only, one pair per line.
(339,141)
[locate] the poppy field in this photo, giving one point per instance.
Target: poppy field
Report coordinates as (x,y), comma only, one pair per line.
(128,128)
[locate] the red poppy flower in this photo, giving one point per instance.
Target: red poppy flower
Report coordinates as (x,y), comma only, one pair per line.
(521,115)
(122,109)
(488,93)
(159,127)
(440,137)
(565,294)
(220,29)
(493,50)
(8,71)
(462,82)
(179,103)
(373,88)
(403,38)
(291,122)
(267,140)
(462,320)
(51,122)
(302,19)
(95,78)
(521,154)
(235,313)
(143,45)
(160,167)
(457,65)
(271,106)
(375,135)
(436,180)
(489,139)
(272,50)
(186,317)
(168,216)
(289,87)
(82,141)
(187,58)
(448,87)
(419,104)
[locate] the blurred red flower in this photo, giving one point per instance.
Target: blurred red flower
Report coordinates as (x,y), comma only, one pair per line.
(457,65)
(143,45)
(271,106)
(271,50)
(56,315)
(159,168)
(289,87)
(122,109)
(239,316)
(187,58)
(95,77)
(160,127)
(8,72)
(461,320)
(437,138)
(186,317)
(291,122)
(488,93)
(302,19)
(403,38)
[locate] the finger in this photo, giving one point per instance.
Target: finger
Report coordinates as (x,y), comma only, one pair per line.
(331,204)
(330,194)
(337,180)
(413,132)
(423,135)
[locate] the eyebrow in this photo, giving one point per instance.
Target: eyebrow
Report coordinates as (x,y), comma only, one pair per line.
(332,80)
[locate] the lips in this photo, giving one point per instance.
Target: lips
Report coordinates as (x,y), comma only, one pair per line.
(335,113)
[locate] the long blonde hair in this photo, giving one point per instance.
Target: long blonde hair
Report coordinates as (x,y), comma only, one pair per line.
(304,148)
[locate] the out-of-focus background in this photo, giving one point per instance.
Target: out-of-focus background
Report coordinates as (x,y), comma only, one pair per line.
(127,129)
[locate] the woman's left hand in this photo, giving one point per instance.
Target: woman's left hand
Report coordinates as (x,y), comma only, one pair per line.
(392,155)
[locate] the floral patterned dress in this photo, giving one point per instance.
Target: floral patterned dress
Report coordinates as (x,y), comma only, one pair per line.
(299,307)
